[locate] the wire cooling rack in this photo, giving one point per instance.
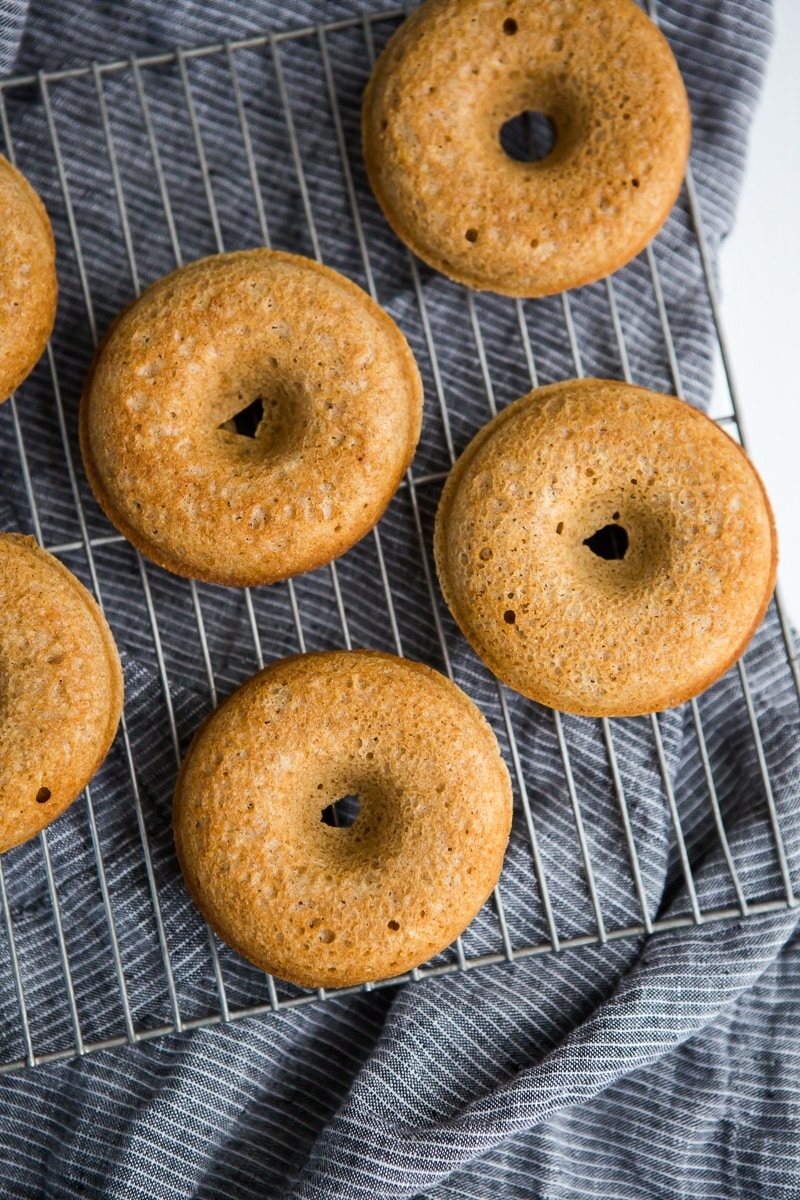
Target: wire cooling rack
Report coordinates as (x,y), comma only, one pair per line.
(237,172)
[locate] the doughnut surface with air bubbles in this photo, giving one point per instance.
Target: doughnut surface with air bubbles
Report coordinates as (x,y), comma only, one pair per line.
(28,284)
(451,77)
(606,550)
(249,417)
(60,689)
(325,906)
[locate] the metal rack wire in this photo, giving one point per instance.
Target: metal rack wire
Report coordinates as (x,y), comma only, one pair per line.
(134,101)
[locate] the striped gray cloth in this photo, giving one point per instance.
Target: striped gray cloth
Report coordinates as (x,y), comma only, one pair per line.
(659,1067)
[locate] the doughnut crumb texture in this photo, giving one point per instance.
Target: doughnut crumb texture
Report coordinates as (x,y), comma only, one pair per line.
(249,417)
(606,550)
(28,284)
(448,82)
(60,689)
(385,741)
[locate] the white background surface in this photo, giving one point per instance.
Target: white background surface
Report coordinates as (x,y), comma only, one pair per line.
(760,276)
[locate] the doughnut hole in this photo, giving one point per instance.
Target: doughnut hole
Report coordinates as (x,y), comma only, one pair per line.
(255,415)
(610,542)
(645,532)
(539,125)
(529,136)
(247,422)
(343,813)
(354,820)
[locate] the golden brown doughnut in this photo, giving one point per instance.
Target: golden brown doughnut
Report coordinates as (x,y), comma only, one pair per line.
(342,407)
(549,491)
(60,689)
(28,284)
(452,76)
(324,906)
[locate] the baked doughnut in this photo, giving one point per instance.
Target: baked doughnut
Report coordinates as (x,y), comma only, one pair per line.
(457,70)
(606,550)
(325,906)
(339,402)
(60,689)
(28,284)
